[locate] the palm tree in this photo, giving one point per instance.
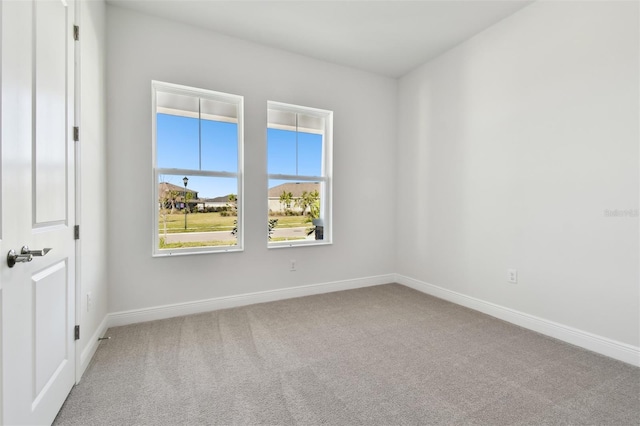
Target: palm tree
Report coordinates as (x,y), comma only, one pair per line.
(285,200)
(310,200)
(314,205)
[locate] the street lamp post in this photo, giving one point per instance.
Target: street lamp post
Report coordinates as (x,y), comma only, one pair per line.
(186,181)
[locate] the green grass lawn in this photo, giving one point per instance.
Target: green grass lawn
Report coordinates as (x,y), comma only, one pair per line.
(208,222)
(196,222)
(164,245)
(292,221)
(275,239)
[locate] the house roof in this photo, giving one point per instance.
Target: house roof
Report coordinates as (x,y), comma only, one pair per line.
(221,199)
(295,188)
(166,186)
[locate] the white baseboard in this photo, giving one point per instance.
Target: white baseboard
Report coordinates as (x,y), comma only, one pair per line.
(602,345)
(91,347)
(180,309)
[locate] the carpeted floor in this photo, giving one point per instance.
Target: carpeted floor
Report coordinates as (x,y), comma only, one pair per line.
(381,355)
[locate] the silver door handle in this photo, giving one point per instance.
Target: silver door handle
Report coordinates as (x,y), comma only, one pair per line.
(13,258)
(25,255)
(25,250)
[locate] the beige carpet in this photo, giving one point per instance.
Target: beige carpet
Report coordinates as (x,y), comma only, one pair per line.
(382,355)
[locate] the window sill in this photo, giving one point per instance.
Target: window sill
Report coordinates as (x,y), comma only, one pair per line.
(292,244)
(194,252)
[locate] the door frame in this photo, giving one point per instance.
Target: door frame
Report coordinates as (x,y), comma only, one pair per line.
(1,234)
(77,178)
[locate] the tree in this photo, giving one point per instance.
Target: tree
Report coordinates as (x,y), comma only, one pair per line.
(166,199)
(286,198)
(310,200)
(187,196)
(314,205)
(173,197)
(232,204)
(163,202)
(302,202)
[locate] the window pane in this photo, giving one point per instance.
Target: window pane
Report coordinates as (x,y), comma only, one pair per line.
(203,214)
(296,208)
(309,154)
(177,142)
(281,155)
(219,146)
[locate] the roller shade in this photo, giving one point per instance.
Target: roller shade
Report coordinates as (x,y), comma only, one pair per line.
(286,120)
(193,107)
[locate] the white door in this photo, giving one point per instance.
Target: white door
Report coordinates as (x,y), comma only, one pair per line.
(37,208)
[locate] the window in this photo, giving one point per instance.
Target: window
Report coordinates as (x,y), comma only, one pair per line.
(197,167)
(299,141)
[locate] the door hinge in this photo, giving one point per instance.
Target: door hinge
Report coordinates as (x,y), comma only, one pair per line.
(76,32)
(76,332)
(76,134)
(76,232)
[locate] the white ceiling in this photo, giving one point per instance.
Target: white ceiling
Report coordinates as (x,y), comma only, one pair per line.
(389,37)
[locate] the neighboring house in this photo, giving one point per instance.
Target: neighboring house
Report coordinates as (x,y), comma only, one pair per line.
(217,202)
(175,194)
(295,188)
(171,193)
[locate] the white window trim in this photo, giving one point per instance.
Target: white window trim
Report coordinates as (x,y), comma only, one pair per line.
(327,189)
(207,94)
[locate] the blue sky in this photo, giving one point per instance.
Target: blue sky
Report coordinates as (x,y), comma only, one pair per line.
(178,146)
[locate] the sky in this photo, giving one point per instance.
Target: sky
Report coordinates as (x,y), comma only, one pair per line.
(178,146)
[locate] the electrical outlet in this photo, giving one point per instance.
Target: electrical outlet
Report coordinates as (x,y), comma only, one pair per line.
(512,276)
(292,266)
(89,301)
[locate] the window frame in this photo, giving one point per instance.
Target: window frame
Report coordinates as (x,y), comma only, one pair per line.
(325,180)
(159,86)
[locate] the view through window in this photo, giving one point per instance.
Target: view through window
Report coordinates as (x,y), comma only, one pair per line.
(198,169)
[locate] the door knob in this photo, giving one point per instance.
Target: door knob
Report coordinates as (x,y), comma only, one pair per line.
(13,258)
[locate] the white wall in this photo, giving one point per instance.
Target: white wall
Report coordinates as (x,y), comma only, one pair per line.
(143,48)
(92,265)
(510,149)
